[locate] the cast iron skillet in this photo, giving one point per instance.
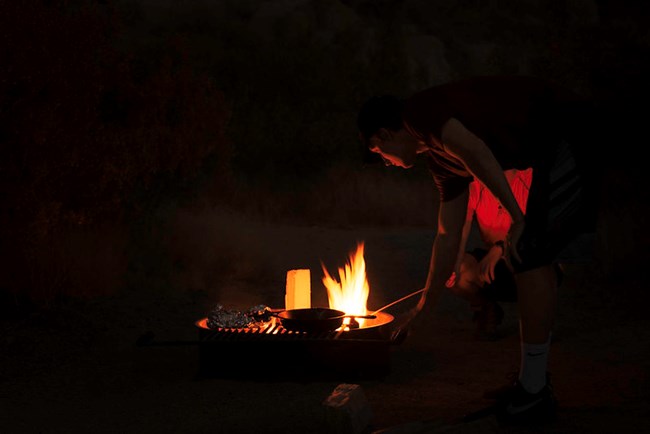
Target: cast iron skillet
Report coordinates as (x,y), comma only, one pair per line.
(314,319)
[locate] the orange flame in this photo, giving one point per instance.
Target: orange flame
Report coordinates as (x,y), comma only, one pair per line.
(351,294)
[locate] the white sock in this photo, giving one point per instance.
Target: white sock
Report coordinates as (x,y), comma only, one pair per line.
(534,361)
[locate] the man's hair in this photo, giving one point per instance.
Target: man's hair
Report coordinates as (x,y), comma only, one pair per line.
(384,111)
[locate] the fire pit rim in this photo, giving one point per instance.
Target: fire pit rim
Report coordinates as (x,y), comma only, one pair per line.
(383,319)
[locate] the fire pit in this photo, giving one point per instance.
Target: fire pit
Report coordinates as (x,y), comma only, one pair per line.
(272,352)
(376,328)
(255,345)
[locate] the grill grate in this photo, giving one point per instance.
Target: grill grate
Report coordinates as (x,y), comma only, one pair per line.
(272,331)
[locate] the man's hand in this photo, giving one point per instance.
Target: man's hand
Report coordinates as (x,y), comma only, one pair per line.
(451,282)
(402,323)
(488,263)
(404,320)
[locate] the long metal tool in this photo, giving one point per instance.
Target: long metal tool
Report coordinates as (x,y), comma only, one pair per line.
(398,301)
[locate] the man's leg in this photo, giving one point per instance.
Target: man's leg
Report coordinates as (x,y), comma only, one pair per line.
(531,398)
(537,297)
(537,294)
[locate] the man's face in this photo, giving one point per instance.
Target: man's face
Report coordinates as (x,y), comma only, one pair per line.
(391,150)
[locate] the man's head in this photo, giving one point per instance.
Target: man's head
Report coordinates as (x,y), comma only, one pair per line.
(378,112)
(382,132)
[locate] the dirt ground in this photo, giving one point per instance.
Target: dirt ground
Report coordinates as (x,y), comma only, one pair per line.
(75,367)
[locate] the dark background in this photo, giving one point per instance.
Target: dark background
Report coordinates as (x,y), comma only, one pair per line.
(115,115)
(160,156)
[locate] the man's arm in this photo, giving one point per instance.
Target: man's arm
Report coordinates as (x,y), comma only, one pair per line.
(480,162)
(467,226)
(451,221)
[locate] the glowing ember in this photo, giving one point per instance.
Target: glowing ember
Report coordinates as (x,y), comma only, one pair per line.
(351,294)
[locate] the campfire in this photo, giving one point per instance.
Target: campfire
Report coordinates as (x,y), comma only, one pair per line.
(299,341)
(347,299)
(326,342)
(350,295)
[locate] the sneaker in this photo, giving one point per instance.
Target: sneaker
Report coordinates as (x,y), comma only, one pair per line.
(487,320)
(503,392)
(518,407)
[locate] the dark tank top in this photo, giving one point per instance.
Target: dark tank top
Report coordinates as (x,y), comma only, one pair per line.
(521,119)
